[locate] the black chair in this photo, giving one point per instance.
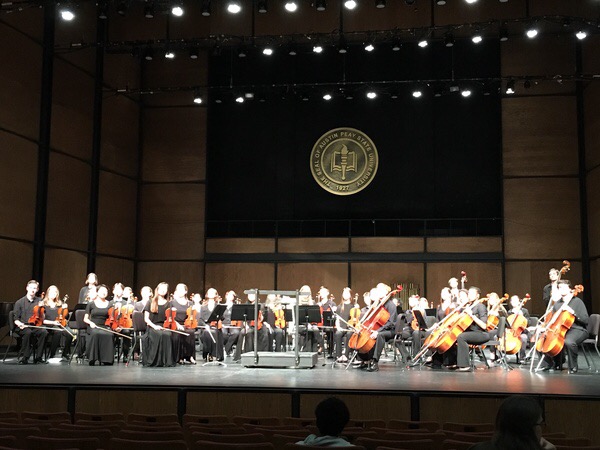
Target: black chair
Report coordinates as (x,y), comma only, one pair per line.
(13,335)
(81,327)
(139,328)
(5,308)
(593,329)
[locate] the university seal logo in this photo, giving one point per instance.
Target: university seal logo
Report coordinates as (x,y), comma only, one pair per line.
(344,161)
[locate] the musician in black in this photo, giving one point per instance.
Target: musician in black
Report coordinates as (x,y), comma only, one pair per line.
(342,332)
(211,335)
(23,310)
(230,333)
(518,310)
(91,280)
(475,334)
(550,291)
(576,334)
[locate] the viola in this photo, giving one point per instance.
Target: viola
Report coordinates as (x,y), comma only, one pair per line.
(552,341)
(125,320)
(37,317)
(63,312)
(375,317)
(280,318)
(112,321)
(191,321)
(354,316)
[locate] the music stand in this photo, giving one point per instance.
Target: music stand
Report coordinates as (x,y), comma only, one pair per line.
(431,312)
(420,319)
(243,312)
(308,314)
(215,316)
(288,315)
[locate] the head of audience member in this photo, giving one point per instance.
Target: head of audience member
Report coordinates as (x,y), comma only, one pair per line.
(519,424)
(102,292)
(32,288)
(332,416)
(92,279)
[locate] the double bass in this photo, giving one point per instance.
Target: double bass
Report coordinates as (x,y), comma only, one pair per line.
(375,317)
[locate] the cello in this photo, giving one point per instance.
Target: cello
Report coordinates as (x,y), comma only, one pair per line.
(552,340)
(375,317)
(516,324)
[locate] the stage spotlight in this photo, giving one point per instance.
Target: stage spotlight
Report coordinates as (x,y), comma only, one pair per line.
(409,2)
(169,54)
(122,8)
(371,95)
(292,51)
(149,11)
(449,40)
(262,6)
(477,38)
(349,96)
(103,11)
(194,53)
(317,48)
(440,2)
(148,54)
(239,99)
(242,52)
(327,97)
(581,35)
(267,51)
(532,32)
(197,98)
(466,93)
(503,33)
(417,93)
(379,4)
(471,1)
(291,6)
(305,97)
(342,47)
(350,4)
(67,14)
(234,6)
(177,11)
(394,95)
(510,87)
(422,43)
(206,8)
(396,46)
(321,5)
(369,47)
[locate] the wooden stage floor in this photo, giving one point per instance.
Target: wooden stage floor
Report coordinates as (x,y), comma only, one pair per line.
(392,378)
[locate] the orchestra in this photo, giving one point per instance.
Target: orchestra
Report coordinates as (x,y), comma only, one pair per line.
(179,325)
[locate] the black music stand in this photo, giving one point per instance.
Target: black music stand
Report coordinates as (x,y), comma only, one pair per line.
(308,314)
(215,316)
(243,312)
(288,315)
(420,319)
(328,324)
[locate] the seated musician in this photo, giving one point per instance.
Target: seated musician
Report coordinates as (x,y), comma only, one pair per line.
(99,342)
(275,321)
(575,335)
(495,310)
(52,303)
(517,309)
(23,311)
(157,345)
(118,301)
(146,295)
(342,333)
(246,339)
(310,335)
(211,335)
(184,347)
(370,360)
(231,331)
(454,291)
(326,302)
(475,334)
(407,327)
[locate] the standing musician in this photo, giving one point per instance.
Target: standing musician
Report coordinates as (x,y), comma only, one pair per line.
(231,332)
(384,333)
(91,280)
(516,309)
(576,334)
(475,334)
(184,347)
(342,333)
(99,343)
(52,303)
(550,291)
(157,345)
(212,337)
(453,286)
(23,311)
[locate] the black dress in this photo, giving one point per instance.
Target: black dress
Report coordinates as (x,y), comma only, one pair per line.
(99,344)
(57,333)
(156,344)
(184,347)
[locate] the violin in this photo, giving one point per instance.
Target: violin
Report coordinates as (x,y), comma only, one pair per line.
(170,322)
(354,315)
(375,317)
(37,317)
(112,321)
(280,318)
(63,312)
(191,321)
(552,341)
(125,320)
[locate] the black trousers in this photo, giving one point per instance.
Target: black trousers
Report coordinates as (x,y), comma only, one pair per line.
(35,337)
(573,338)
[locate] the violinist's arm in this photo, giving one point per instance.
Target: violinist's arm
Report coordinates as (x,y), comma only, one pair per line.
(86,319)
(149,322)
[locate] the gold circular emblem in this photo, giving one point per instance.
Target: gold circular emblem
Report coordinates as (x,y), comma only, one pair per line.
(344,161)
